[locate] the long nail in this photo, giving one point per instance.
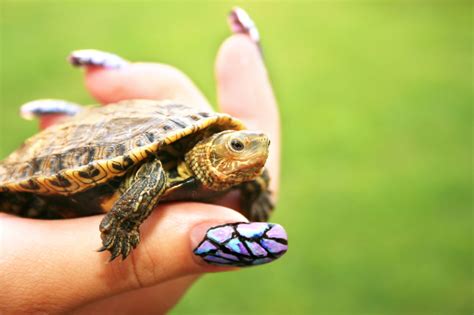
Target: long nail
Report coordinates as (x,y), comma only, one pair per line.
(240,22)
(42,107)
(243,244)
(96,58)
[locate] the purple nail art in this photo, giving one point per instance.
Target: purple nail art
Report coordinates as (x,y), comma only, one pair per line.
(243,244)
(240,22)
(97,58)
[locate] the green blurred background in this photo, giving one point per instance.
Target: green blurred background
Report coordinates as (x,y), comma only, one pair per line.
(376,104)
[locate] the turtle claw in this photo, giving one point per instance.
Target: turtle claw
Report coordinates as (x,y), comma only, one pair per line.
(101,249)
(117,239)
(134,238)
(126,248)
(115,250)
(121,245)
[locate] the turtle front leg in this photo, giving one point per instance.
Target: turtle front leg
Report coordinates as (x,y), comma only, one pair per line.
(256,199)
(120,227)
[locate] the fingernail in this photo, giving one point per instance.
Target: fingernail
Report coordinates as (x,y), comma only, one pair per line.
(242,244)
(96,58)
(240,22)
(42,107)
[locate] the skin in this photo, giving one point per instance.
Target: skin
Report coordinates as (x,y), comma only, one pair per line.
(51,267)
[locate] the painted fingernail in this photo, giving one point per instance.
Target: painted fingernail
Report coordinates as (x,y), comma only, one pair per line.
(43,107)
(240,22)
(243,244)
(96,58)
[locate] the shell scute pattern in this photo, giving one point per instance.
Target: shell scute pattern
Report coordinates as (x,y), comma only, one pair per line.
(101,143)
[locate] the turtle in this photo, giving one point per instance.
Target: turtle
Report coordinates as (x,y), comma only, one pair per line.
(122,159)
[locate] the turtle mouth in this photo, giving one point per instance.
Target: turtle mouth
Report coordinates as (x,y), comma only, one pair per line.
(255,162)
(254,165)
(256,156)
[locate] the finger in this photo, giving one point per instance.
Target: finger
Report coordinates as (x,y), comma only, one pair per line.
(49,120)
(142,301)
(66,254)
(110,78)
(244,89)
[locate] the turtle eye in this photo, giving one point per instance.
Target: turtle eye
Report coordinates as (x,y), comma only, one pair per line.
(237,145)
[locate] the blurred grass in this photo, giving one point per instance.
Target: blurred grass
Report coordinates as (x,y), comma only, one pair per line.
(376,103)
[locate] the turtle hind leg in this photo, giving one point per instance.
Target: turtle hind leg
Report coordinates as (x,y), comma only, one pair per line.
(120,227)
(43,107)
(256,199)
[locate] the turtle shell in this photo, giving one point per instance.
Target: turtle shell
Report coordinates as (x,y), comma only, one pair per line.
(102,143)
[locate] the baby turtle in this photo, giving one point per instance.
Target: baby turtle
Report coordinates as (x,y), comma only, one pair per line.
(121,159)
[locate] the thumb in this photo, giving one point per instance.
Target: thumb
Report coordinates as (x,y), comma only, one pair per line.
(54,266)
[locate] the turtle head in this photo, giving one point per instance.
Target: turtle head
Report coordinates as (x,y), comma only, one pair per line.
(229,158)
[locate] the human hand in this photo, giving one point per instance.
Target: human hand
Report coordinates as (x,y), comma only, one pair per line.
(50,266)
